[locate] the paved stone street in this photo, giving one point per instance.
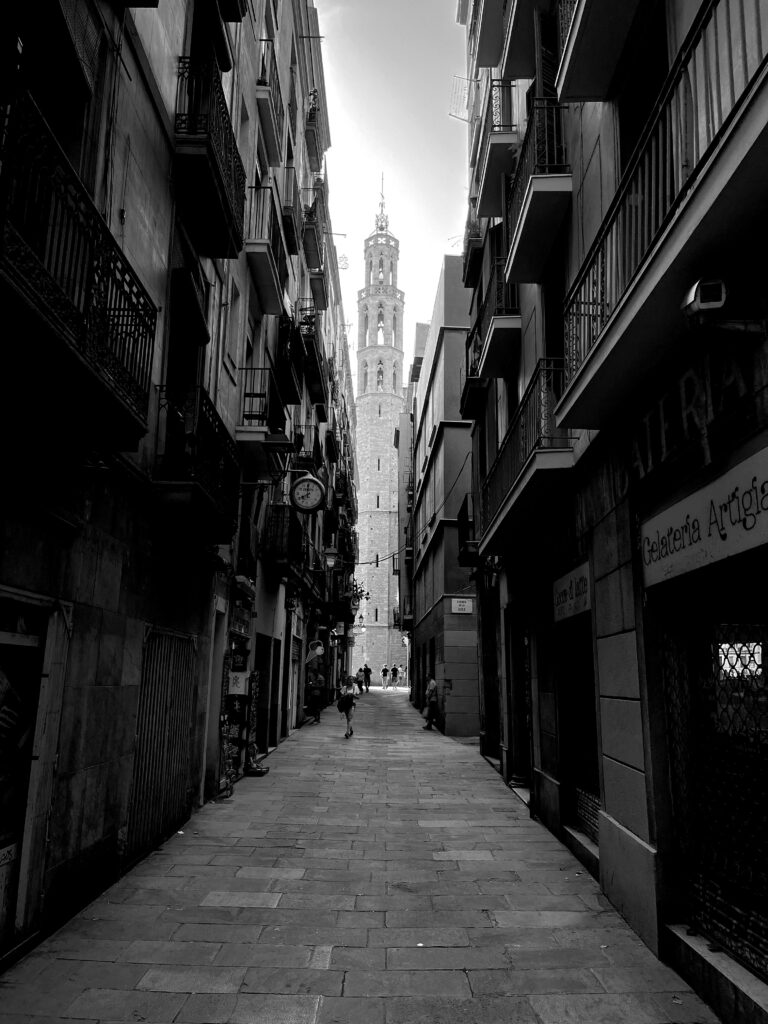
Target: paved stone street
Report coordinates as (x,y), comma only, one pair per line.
(386,879)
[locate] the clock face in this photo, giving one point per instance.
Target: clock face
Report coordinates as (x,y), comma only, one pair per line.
(307,493)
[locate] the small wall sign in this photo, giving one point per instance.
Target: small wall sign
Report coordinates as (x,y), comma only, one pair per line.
(462,605)
(571,593)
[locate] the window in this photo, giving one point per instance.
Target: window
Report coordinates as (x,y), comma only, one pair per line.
(394,328)
(390,271)
(380,327)
(378,464)
(394,377)
(366,327)
(377,561)
(377,505)
(365,377)
(381,269)
(375,614)
(380,378)
(379,412)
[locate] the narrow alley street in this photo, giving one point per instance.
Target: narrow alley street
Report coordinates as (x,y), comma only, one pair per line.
(386,879)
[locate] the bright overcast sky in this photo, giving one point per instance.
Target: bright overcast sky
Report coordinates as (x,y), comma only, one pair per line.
(389,67)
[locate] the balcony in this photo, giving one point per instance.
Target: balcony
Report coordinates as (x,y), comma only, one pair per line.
(315,364)
(260,431)
(487,32)
(468,545)
(313,137)
(588,27)
(264,249)
(288,359)
(308,450)
(269,101)
(473,249)
(318,285)
(499,324)
(313,227)
(406,618)
(524,473)
(692,197)
(539,194)
(499,146)
(210,176)
(197,470)
(395,565)
(284,538)
(332,446)
(518,56)
(396,619)
(292,214)
(472,387)
(79,324)
(189,304)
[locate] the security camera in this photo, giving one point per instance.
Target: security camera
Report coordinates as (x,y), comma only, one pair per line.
(704,296)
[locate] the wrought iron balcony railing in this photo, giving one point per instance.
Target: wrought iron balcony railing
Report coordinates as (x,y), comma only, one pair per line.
(395,565)
(501,299)
(201,110)
(565,11)
(268,75)
(195,447)
(316,365)
(58,251)
(292,213)
(724,52)
(543,152)
(260,401)
(532,428)
(473,251)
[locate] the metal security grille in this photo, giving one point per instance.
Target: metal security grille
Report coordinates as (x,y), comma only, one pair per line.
(587,813)
(159,794)
(717,709)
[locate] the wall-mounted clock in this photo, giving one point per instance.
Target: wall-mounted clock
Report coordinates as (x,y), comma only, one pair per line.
(307,493)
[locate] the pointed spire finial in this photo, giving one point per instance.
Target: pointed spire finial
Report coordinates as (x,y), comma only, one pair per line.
(382,220)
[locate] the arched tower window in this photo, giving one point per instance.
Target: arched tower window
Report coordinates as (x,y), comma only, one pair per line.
(394,377)
(380,327)
(390,271)
(365,376)
(381,269)
(380,378)
(394,328)
(370,271)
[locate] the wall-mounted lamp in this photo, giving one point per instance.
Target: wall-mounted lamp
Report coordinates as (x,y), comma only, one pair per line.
(331,555)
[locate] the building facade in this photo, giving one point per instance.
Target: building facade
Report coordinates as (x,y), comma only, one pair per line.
(165,260)
(443,637)
(378,405)
(615,377)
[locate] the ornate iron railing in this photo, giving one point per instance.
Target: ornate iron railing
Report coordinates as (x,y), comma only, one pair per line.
(201,109)
(269,76)
(532,428)
(501,299)
(500,115)
(723,54)
(543,152)
(262,222)
(58,249)
(195,446)
(472,353)
(565,12)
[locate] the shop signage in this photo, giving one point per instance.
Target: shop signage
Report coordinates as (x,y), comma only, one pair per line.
(238,684)
(722,519)
(571,593)
(462,605)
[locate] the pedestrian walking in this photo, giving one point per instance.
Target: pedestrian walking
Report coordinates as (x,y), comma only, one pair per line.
(367,676)
(346,705)
(430,698)
(384,677)
(394,676)
(360,679)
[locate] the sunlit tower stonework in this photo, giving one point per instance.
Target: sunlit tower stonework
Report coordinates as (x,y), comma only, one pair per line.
(379,404)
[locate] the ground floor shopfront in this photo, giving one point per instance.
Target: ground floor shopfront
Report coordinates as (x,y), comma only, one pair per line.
(633,700)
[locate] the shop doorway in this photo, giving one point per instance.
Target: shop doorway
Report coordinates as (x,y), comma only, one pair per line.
(22,641)
(711,641)
(579,767)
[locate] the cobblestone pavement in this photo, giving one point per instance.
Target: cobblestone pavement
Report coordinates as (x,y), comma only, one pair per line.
(386,879)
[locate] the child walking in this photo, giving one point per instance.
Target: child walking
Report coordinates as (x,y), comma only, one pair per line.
(346,705)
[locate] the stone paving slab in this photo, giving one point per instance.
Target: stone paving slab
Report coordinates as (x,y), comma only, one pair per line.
(390,879)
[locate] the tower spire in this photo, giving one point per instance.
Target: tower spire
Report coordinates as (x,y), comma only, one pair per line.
(382,220)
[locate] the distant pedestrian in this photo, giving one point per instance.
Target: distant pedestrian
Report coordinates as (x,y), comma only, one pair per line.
(360,680)
(367,676)
(430,698)
(346,705)
(384,677)
(394,676)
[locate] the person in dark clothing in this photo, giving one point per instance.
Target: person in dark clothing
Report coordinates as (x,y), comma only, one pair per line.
(430,698)
(367,676)
(315,694)
(346,705)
